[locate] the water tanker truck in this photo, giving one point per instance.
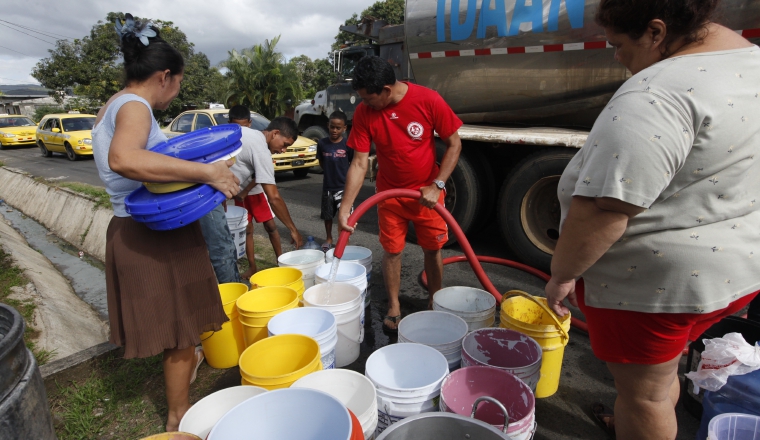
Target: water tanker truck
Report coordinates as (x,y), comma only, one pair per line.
(527,78)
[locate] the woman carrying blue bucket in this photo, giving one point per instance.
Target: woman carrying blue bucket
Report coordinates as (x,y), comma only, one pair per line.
(162,291)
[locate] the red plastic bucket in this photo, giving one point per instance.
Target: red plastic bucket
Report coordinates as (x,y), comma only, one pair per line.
(505,349)
(357,432)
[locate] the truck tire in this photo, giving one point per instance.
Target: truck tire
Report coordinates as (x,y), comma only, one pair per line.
(488,191)
(529,211)
(463,194)
(315,133)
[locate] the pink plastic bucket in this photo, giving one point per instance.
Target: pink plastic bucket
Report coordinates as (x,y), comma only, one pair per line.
(463,387)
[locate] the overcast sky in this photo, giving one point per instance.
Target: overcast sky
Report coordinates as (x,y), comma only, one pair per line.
(215,26)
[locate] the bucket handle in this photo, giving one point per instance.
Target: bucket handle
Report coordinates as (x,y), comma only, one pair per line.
(540,304)
(495,402)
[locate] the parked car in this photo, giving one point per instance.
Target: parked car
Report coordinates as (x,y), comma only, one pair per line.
(70,134)
(16,131)
(299,157)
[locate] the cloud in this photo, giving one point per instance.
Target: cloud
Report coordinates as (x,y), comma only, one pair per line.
(215,27)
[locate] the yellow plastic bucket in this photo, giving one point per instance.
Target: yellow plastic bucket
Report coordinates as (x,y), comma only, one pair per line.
(258,306)
(224,347)
(532,316)
(281,276)
(278,361)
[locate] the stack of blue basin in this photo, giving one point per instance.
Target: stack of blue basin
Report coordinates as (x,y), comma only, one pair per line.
(172,210)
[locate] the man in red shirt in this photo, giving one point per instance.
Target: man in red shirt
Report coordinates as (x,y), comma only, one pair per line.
(401,118)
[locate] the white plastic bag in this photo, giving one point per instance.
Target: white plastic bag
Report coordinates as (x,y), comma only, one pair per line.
(730,355)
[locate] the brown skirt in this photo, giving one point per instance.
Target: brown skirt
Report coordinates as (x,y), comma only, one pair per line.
(162,291)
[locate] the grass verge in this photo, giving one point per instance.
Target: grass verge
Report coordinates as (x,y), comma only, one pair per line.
(102,199)
(12,276)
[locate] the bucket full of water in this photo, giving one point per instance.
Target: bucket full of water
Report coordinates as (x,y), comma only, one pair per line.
(317,323)
(463,388)
(280,276)
(306,260)
(223,348)
(294,413)
(237,221)
(477,307)
(204,414)
(350,388)
(532,316)
(505,349)
(443,331)
(258,306)
(348,272)
(345,302)
(407,380)
(359,255)
(278,361)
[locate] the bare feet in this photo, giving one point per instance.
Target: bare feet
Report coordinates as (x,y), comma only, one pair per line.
(172,421)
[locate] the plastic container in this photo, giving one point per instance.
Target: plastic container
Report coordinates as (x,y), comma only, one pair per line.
(204,414)
(345,303)
(505,349)
(441,426)
(477,307)
(357,254)
(443,331)
(350,388)
(407,379)
(740,394)
(143,202)
(305,260)
(278,361)
(295,413)
(258,306)
(237,221)
(463,387)
(348,272)
(750,330)
(734,426)
(203,144)
(224,347)
(531,315)
(280,276)
(310,244)
(310,321)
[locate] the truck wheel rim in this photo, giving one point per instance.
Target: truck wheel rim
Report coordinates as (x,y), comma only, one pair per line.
(541,229)
(450,199)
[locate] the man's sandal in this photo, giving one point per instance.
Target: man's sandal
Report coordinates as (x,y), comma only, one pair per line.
(394,319)
(603,415)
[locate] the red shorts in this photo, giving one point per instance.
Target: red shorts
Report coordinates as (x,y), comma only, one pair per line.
(258,207)
(394,216)
(627,337)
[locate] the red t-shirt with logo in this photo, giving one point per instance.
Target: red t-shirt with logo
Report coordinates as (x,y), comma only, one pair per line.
(404,138)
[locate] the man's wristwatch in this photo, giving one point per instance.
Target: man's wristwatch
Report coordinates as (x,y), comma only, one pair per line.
(440,184)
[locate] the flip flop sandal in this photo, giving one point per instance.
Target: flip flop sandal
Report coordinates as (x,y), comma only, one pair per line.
(393,319)
(200,356)
(602,414)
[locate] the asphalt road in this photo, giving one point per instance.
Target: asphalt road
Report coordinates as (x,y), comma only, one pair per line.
(584,379)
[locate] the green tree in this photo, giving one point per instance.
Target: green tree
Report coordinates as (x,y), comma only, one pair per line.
(391,11)
(315,75)
(259,78)
(92,66)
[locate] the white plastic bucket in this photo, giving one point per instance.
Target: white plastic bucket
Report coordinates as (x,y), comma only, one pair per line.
(477,307)
(407,380)
(443,331)
(237,221)
(203,415)
(359,255)
(318,323)
(352,389)
(307,260)
(348,272)
(290,413)
(345,302)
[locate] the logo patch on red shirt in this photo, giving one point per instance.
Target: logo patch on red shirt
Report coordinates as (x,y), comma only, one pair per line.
(415,130)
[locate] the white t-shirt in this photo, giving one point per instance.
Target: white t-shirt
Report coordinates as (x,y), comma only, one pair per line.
(681,138)
(255,160)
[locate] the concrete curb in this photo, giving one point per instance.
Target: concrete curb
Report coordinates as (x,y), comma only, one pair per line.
(70,215)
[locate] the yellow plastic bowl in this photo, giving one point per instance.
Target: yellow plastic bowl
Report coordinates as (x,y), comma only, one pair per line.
(277,276)
(267,301)
(163,188)
(279,359)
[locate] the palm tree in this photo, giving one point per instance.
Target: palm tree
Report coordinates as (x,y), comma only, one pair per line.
(259,78)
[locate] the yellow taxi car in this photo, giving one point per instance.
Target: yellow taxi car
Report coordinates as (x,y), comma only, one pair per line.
(299,157)
(67,133)
(16,131)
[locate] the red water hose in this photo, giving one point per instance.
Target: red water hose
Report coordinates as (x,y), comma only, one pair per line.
(469,254)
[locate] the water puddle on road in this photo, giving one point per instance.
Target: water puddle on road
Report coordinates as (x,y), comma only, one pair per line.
(86,274)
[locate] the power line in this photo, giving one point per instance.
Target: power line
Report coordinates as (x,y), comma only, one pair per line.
(38,31)
(8,48)
(16,80)
(38,38)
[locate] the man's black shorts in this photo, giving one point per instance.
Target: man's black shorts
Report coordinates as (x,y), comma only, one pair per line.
(330,204)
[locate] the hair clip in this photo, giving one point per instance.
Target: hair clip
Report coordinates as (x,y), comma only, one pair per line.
(141,31)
